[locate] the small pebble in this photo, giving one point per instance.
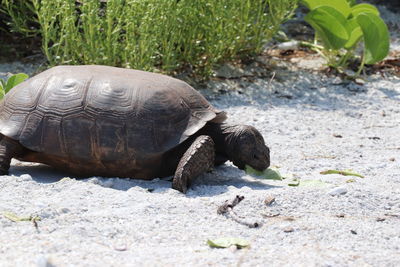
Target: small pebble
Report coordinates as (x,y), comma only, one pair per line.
(289,45)
(120,247)
(64,210)
(353,232)
(43,261)
(269,200)
(108,183)
(25,177)
(288,229)
(340,190)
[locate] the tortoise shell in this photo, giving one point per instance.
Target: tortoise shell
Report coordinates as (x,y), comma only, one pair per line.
(103,116)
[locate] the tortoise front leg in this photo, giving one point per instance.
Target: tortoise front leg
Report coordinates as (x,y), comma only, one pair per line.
(198,159)
(8,149)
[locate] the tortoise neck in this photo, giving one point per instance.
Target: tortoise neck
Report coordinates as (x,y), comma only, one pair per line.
(223,135)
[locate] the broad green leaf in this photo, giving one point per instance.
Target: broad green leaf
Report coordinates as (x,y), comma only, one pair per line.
(330,26)
(226,242)
(344,172)
(364,8)
(15,80)
(269,173)
(351,2)
(376,37)
(354,31)
(340,5)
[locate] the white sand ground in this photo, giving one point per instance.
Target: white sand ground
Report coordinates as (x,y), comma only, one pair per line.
(301,114)
(126,222)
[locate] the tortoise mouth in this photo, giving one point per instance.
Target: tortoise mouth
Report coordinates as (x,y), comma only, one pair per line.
(261,166)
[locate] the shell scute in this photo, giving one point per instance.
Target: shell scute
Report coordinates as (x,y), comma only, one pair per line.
(103,113)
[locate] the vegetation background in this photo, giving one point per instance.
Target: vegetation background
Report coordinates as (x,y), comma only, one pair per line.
(154,35)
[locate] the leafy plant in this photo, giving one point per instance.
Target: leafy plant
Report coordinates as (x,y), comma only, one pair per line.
(20,16)
(13,81)
(156,35)
(341,25)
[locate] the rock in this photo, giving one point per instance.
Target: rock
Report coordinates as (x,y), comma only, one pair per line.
(108,183)
(229,71)
(64,210)
(269,200)
(288,229)
(340,190)
(25,177)
(43,261)
(290,45)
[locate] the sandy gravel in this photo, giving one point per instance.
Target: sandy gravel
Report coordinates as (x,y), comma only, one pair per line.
(311,123)
(123,222)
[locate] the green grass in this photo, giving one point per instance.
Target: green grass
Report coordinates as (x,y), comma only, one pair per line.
(156,35)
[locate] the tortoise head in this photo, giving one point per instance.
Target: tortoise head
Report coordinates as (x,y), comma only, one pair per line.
(245,145)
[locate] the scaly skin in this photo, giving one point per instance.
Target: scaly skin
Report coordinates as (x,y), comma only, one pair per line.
(8,149)
(198,159)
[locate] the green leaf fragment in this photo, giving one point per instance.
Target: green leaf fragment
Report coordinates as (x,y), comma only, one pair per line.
(294,183)
(313,183)
(15,218)
(269,174)
(308,183)
(226,242)
(376,37)
(344,172)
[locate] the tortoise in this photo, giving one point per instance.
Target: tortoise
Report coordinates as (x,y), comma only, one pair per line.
(105,121)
